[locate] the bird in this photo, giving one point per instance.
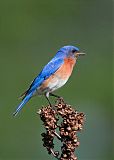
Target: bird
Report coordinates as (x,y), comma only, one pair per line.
(53,76)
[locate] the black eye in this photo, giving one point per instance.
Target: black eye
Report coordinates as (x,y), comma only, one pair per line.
(73,51)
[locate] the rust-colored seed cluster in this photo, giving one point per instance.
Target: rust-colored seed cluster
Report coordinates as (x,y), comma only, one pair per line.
(71,122)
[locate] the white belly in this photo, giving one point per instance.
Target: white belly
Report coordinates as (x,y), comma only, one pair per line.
(56,85)
(52,86)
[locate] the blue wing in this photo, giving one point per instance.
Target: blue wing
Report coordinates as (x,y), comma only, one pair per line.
(47,71)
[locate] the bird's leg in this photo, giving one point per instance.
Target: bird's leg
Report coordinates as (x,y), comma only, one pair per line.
(46,95)
(51,94)
(58,97)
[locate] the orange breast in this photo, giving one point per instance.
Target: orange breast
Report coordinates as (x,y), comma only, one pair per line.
(66,69)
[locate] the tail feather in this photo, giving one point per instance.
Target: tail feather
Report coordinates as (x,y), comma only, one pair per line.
(22,96)
(24,101)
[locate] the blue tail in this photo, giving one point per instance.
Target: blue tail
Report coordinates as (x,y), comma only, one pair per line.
(24,101)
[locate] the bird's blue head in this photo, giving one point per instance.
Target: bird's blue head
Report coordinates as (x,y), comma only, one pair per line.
(70,51)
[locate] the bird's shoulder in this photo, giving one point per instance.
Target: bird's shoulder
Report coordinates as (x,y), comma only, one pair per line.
(51,67)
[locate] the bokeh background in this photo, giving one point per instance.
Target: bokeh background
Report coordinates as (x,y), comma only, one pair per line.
(30,34)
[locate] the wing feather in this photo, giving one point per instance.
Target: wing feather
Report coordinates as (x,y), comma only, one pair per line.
(46,72)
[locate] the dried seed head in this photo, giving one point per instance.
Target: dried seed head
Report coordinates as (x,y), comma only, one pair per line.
(70,123)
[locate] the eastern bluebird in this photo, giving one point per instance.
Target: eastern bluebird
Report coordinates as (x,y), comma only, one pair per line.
(53,76)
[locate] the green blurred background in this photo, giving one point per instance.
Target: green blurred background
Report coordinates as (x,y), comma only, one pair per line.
(31,31)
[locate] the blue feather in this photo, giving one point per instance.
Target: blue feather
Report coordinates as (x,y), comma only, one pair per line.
(24,101)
